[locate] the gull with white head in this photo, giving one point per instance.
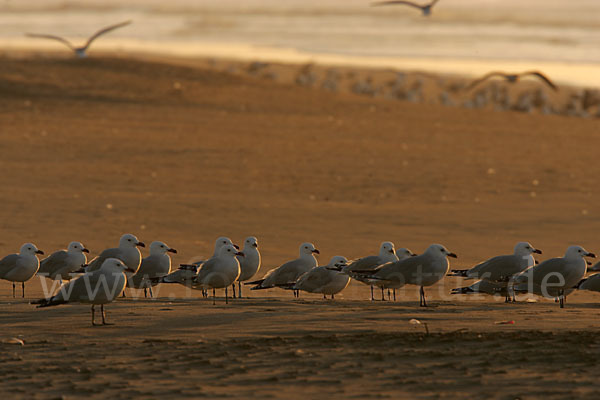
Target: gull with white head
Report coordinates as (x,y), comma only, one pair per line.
(326,279)
(370,263)
(289,272)
(422,270)
(219,272)
(97,287)
(20,267)
(156,265)
(501,269)
(554,277)
(62,263)
(249,263)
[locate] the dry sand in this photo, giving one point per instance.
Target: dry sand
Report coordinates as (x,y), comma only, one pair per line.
(97,147)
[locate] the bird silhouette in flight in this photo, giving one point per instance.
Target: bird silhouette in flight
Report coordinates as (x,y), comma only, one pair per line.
(425,9)
(79,51)
(512,78)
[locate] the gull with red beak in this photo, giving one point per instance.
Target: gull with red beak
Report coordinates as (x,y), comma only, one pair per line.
(97,287)
(422,270)
(288,273)
(370,263)
(501,269)
(554,277)
(62,263)
(20,267)
(156,265)
(219,272)
(127,252)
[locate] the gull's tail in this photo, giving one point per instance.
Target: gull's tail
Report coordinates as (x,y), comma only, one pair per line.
(48,302)
(459,272)
(462,290)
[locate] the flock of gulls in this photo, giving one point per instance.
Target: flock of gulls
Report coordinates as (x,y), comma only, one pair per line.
(105,277)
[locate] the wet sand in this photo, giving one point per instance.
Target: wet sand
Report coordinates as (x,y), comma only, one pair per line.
(98,147)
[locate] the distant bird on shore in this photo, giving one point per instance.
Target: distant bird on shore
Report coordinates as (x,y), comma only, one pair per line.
(426,9)
(512,78)
(79,51)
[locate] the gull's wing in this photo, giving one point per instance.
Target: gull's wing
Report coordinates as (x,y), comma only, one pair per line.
(390,2)
(548,270)
(499,268)
(96,263)
(542,77)
(484,78)
(287,273)
(8,263)
(103,31)
(313,279)
(53,37)
(365,263)
(53,262)
(590,283)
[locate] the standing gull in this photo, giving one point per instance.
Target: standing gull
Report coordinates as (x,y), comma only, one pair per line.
(156,265)
(553,277)
(425,9)
(422,270)
(60,264)
(20,267)
(402,253)
(501,269)
(219,272)
(289,272)
(249,263)
(79,51)
(327,279)
(127,252)
(100,286)
(220,242)
(513,78)
(369,263)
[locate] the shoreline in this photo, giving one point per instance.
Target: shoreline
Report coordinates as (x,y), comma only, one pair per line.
(576,74)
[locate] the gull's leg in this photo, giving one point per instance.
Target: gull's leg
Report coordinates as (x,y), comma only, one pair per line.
(226,302)
(561,298)
(239,289)
(382,294)
(233,288)
(150,290)
(23,288)
(332,297)
(394,290)
(145,293)
(214,295)
(103,315)
(13,290)
(324,297)
(424,302)
(372,297)
(93,311)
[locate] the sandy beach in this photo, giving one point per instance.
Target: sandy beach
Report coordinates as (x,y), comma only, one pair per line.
(97,147)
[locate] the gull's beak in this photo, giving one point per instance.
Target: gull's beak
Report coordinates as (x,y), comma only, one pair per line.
(39,252)
(316,251)
(236,246)
(452,255)
(413,254)
(133,271)
(334,268)
(141,244)
(587,255)
(255,245)
(84,250)
(239,253)
(537,251)
(172,251)
(391,250)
